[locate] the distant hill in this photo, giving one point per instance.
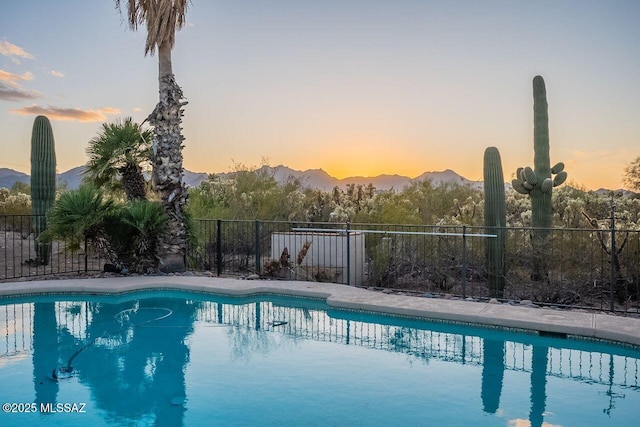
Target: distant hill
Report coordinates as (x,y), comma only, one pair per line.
(72,178)
(193,179)
(8,177)
(318,178)
(606,192)
(447,176)
(310,178)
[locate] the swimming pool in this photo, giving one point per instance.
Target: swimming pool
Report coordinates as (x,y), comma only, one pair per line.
(178,358)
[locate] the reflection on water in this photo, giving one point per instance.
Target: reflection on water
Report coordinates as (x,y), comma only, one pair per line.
(492,374)
(45,351)
(133,354)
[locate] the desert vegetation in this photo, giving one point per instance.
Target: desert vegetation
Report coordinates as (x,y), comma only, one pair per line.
(579,244)
(542,241)
(250,193)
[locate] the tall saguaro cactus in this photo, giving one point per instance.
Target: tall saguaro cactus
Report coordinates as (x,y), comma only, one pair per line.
(495,221)
(537,182)
(43,181)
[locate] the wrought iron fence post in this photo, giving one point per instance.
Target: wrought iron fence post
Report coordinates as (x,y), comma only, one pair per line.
(464,261)
(86,263)
(613,254)
(348,255)
(257,244)
(219,246)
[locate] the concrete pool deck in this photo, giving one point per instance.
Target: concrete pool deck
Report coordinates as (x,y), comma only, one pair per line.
(571,322)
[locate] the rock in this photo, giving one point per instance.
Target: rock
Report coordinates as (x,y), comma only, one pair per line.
(172,263)
(110,268)
(253,277)
(494,301)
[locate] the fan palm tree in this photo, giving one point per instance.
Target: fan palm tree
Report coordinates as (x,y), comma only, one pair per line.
(143,221)
(125,234)
(116,155)
(162,18)
(81,216)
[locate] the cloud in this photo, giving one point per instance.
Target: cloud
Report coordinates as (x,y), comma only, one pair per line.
(68,114)
(137,109)
(14,52)
(10,89)
(55,73)
(9,92)
(6,76)
(110,110)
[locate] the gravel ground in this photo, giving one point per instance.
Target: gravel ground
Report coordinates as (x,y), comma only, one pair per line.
(17,254)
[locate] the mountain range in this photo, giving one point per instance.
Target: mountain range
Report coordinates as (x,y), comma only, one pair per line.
(311,178)
(318,178)
(73,177)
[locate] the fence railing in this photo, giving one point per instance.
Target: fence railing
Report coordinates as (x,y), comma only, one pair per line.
(18,257)
(437,261)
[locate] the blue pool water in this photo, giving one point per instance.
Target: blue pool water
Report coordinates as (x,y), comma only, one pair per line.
(175,358)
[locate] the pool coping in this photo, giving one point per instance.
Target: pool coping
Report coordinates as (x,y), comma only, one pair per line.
(596,325)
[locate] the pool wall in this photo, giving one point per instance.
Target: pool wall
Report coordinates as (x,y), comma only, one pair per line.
(543,320)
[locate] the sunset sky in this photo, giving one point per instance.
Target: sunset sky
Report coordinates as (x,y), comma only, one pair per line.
(355,87)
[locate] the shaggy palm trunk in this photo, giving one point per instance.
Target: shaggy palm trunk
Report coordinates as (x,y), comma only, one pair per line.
(133,182)
(102,242)
(144,255)
(166,119)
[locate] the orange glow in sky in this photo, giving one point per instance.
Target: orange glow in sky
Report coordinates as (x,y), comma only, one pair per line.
(357,88)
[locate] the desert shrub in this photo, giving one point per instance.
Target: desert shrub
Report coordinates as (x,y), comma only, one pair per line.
(125,233)
(14,203)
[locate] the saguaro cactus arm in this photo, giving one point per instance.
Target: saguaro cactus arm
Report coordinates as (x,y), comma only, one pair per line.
(542,178)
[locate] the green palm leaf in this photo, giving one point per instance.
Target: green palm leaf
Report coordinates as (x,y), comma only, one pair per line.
(117,156)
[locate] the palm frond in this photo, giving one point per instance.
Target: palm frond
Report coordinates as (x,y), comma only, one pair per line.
(145,216)
(118,146)
(78,214)
(162,18)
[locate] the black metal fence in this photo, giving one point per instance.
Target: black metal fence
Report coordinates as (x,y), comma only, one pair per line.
(595,269)
(439,261)
(18,256)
